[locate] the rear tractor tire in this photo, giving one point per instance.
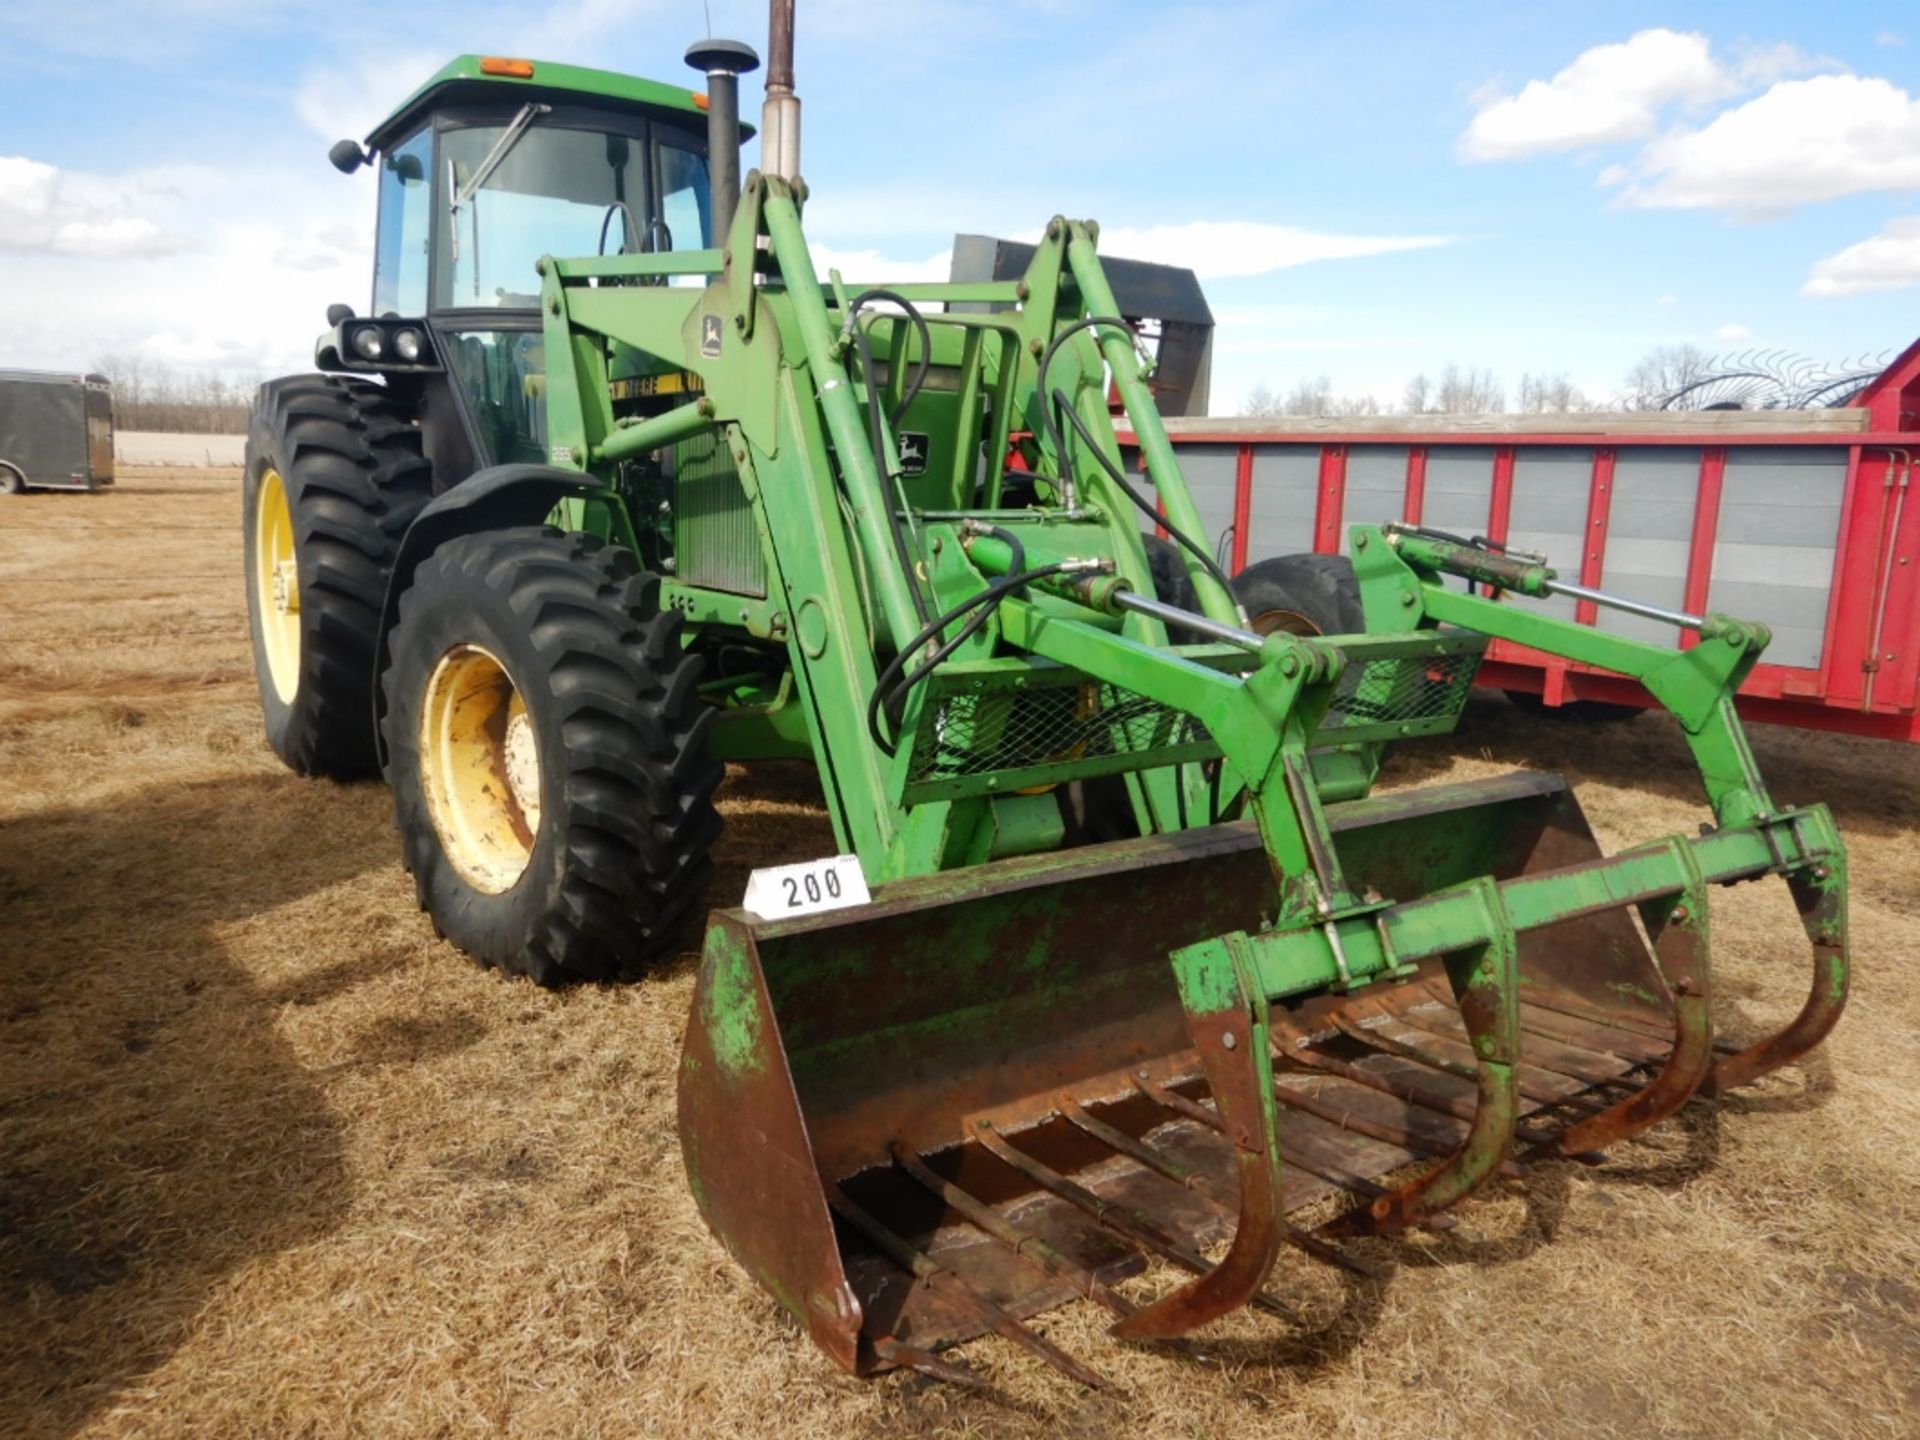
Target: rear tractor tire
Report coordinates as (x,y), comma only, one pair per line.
(1301,595)
(546,746)
(334,475)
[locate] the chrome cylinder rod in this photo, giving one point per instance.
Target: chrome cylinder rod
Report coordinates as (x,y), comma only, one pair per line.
(1173,615)
(1631,607)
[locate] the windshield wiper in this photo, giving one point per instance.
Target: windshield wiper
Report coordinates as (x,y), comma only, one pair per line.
(509,137)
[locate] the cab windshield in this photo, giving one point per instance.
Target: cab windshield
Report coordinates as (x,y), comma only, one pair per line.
(556,190)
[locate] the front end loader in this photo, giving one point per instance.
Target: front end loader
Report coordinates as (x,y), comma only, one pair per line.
(1148,966)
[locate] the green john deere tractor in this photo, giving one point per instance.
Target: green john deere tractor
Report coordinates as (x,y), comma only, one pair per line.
(612,487)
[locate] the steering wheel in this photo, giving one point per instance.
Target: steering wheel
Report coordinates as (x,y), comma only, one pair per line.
(628,226)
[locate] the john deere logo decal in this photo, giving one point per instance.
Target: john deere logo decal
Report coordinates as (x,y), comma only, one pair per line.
(913,452)
(710,333)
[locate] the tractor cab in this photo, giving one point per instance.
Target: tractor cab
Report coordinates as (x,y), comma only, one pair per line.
(490,165)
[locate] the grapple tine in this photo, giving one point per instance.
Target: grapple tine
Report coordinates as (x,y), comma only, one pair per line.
(1192,1179)
(1485,982)
(1227,1017)
(1681,948)
(1137,1228)
(1820,895)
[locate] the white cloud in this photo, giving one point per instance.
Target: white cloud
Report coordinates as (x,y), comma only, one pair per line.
(1609,93)
(1888,261)
(348,96)
(862,266)
(1226,249)
(1213,249)
(248,297)
(46,209)
(1734,333)
(1665,300)
(346,100)
(1890,39)
(1801,141)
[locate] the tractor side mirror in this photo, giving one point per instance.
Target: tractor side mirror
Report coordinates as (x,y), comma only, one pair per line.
(347,156)
(339,313)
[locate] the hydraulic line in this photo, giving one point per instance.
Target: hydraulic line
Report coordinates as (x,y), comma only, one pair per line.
(1054,402)
(894,683)
(878,426)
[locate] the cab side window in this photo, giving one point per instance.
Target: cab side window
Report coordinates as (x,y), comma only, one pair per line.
(684,199)
(400,248)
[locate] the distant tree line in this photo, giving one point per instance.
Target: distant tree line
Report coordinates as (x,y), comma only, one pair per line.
(150,394)
(1469,391)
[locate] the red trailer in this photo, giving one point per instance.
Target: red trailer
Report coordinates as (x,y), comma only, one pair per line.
(1803,519)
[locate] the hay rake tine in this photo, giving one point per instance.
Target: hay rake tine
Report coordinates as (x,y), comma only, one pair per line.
(931,1272)
(1134,1227)
(1202,1185)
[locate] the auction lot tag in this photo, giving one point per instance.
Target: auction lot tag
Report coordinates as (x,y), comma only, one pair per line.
(830,884)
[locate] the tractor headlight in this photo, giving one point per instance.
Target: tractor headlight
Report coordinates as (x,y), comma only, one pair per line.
(406,344)
(368,343)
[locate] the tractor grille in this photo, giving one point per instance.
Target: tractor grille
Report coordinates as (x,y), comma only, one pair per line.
(982,740)
(716,543)
(1409,695)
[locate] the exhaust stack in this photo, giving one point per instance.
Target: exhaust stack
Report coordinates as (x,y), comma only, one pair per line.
(724,62)
(780,116)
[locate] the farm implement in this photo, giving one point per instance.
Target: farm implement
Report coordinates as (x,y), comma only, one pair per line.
(1148,964)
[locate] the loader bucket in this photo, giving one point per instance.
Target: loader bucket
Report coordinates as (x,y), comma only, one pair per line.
(979,1097)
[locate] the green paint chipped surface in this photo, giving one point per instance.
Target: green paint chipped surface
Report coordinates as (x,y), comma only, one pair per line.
(730,1013)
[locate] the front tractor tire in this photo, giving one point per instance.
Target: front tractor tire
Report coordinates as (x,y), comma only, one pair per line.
(546,746)
(1301,595)
(334,475)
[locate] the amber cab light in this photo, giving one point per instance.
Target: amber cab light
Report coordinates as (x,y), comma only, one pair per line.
(501,65)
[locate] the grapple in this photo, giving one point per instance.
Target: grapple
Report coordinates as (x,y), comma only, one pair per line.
(998,1089)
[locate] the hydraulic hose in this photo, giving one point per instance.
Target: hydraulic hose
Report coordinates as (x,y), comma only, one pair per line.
(877,426)
(1054,402)
(895,682)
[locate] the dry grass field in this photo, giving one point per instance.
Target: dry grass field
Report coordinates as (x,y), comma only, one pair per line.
(275,1162)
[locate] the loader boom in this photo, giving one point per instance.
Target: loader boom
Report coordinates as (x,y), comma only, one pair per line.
(958,641)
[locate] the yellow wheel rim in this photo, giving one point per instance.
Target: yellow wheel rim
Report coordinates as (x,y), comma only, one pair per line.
(1283,622)
(480,768)
(276,585)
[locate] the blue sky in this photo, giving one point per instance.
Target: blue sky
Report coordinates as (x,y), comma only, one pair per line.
(1369,190)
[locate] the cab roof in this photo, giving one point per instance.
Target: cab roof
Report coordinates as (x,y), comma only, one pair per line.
(477,79)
